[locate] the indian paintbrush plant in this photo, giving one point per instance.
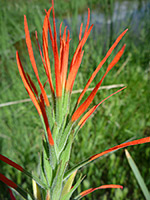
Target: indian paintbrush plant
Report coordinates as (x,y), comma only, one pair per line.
(61,121)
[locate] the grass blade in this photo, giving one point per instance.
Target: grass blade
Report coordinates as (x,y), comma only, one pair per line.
(138,175)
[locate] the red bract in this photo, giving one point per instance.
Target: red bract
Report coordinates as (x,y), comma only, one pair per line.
(13,164)
(11,194)
(92,110)
(7,181)
(126,144)
(86,192)
(83,107)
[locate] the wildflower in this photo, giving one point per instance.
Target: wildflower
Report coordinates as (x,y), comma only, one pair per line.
(60,123)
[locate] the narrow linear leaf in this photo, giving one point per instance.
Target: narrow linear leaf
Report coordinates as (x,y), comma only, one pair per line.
(137,175)
(68,184)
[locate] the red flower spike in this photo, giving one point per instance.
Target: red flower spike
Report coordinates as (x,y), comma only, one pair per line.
(100,65)
(9,162)
(82,108)
(7,181)
(26,84)
(45,50)
(135,142)
(91,111)
(32,59)
(11,194)
(86,192)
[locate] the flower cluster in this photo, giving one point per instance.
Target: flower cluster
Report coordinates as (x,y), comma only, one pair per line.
(61,121)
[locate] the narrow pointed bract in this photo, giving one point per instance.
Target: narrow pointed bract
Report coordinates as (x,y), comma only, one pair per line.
(11,194)
(82,108)
(56,59)
(65,56)
(80,34)
(26,84)
(10,162)
(100,65)
(74,70)
(45,49)
(32,59)
(126,144)
(86,192)
(92,110)
(8,181)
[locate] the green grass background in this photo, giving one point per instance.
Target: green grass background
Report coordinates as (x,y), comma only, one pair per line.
(124,116)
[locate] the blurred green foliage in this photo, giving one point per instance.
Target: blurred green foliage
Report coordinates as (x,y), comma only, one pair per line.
(124,116)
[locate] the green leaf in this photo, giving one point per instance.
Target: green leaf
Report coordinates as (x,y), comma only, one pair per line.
(59,111)
(138,176)
(68,184)
(37,180)
(58,180)
(42,172)
(24,193)
(61,143)
(69,194)
(36,190)
(52,152)
(57,183)
(46,164)
(76,167)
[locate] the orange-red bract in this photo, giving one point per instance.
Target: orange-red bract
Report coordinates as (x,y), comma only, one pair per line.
(100,65)
(26,84)
(8,161)
(82,108)
(91,111)
(11,194)
(32,59)
(86,192)
(8,181)
(126,144)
